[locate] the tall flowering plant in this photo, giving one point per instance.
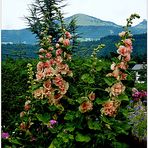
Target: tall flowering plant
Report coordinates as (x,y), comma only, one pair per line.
(77,103)
(119,67)
(52,68)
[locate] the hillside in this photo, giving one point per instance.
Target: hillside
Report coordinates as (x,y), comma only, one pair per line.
(139,53)
(89,28)
(85,48)
(86,20)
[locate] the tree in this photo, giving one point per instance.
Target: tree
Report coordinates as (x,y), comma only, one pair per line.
(46,18)
(72,28)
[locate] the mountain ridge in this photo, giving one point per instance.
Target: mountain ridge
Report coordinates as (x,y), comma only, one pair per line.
(87,20)
(88,26)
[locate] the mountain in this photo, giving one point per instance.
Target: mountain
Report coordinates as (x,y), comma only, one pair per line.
(89,28)
(140,28)
(142,25)
(86,20)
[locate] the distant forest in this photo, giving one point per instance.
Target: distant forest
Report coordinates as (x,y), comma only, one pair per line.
(139,53)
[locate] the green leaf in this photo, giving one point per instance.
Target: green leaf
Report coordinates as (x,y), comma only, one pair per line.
(123,97)
(119,144)
(82,138)
(105,119)
(70,115)
(87,78)
(64,137)
(60,107)
(15,141)
(110,81)
(82,99)
(44,101)
(52,145)
(100,101)
(94,125)
(98,68)
(44,118)
(70,127)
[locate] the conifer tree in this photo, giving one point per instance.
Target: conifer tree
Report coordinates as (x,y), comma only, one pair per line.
(46,18)
(72,28)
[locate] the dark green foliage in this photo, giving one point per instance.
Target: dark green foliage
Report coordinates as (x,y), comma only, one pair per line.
(16,51)
(84,49)
(14,87)
(139,53)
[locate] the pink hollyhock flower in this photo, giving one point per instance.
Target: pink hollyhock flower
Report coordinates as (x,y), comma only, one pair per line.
(63,88)
(66,42)
(57,45)
(48,55)
(109,111)
(128,42)
(23,126)
(50,48)
(123,76)
(38,93)
(47,64)
(92,96)
(127,58)
(113,65)
(86,106)
(115,73)
(47,85)
(58,96)
(122,65)
(122,34)
(42,50)
(41,57)
(108,104)
(109,108)
(129,49)
(58,52)
(5,135)
(117,89)
(49,72)
(27,102)
(40,66)
(68,35)
(122,50)
(27,107)
(60,40)
(22,114)
(49,93)
(58,59)
(58,80)
(40,75)
(63,68)
(51,62)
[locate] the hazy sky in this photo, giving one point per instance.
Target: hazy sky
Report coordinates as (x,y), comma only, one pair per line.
(110,10)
